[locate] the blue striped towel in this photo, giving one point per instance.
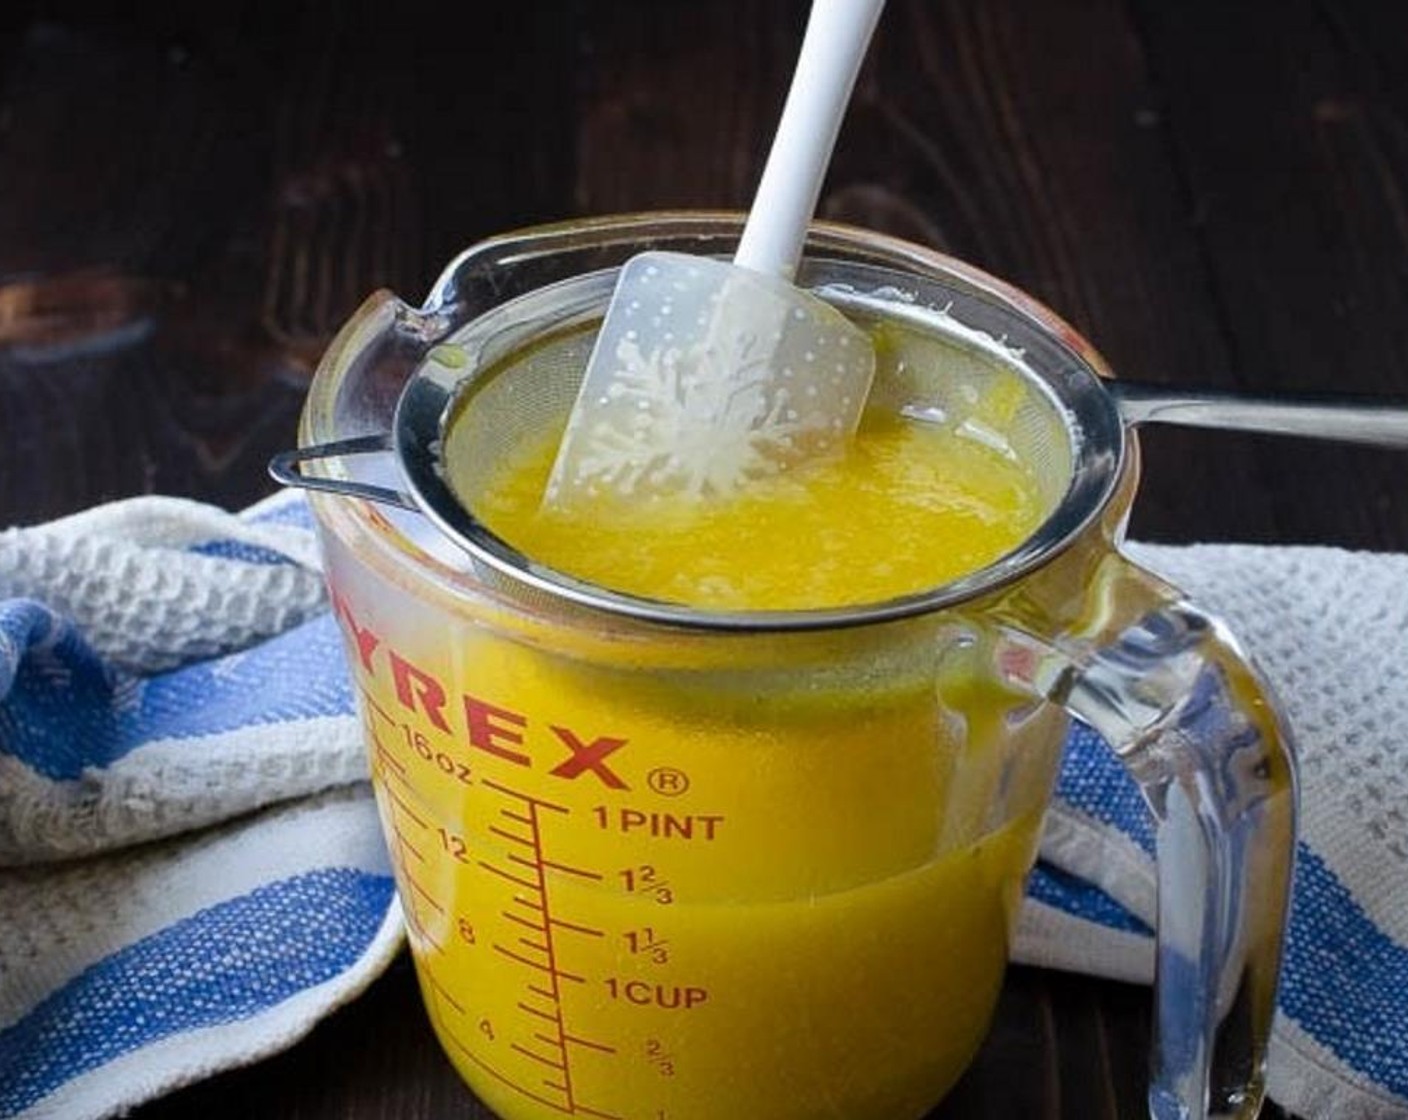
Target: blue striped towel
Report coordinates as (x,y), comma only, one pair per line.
(191,872)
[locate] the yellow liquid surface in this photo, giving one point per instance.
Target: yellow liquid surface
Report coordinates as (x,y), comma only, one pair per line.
(910,506)
(655,894)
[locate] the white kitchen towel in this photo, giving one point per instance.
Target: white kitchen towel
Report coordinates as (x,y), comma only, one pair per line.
(191,872)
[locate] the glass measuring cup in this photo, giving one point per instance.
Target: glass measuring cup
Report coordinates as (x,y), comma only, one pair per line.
(663,864)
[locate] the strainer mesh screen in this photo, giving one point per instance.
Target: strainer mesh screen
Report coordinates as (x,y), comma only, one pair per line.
(518,401)
(965,382)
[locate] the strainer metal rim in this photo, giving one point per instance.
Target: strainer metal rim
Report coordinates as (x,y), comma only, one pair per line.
(429,400)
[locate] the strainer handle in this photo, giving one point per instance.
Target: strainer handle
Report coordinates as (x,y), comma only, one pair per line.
(286,469)
(1376,421)
(1193,724)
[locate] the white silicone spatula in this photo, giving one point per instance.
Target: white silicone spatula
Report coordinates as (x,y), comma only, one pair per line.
(707,374)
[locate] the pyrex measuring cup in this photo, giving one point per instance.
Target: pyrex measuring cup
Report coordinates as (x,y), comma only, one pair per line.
(665,864)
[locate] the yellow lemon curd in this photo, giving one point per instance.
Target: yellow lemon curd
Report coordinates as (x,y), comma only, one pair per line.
(659,894)
(910,506)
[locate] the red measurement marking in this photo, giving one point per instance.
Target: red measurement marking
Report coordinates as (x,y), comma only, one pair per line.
(441,991)
(575,928)
(588,1043)
(532,1096)
(524,922)
(401,804)
(526,813)
(550,969)
(585,874)
(583,1110)
(419,931)
(501,873)
(527,799)
(537,1057)
(388,759)
(401,839)
(387,753)
(413,923)
(521,959)
(375,707)
(425,894)
(397,774)
(497,831)
(537,1012)
(552,959)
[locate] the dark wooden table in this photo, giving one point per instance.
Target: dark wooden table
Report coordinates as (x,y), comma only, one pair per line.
(192,197)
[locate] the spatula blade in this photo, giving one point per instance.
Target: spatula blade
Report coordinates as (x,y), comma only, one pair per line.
(704,376)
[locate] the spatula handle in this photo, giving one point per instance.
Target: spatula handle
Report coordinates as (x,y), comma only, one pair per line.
(838,32)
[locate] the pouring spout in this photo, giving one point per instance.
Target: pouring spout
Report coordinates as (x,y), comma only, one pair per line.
(1376,421)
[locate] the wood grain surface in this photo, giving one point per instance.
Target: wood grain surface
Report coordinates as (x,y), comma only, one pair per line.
(192,197)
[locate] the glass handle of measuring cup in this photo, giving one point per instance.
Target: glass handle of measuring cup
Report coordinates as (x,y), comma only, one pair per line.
(1188,716)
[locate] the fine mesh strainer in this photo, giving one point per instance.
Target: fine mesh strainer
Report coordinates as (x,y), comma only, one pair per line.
(512,376)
